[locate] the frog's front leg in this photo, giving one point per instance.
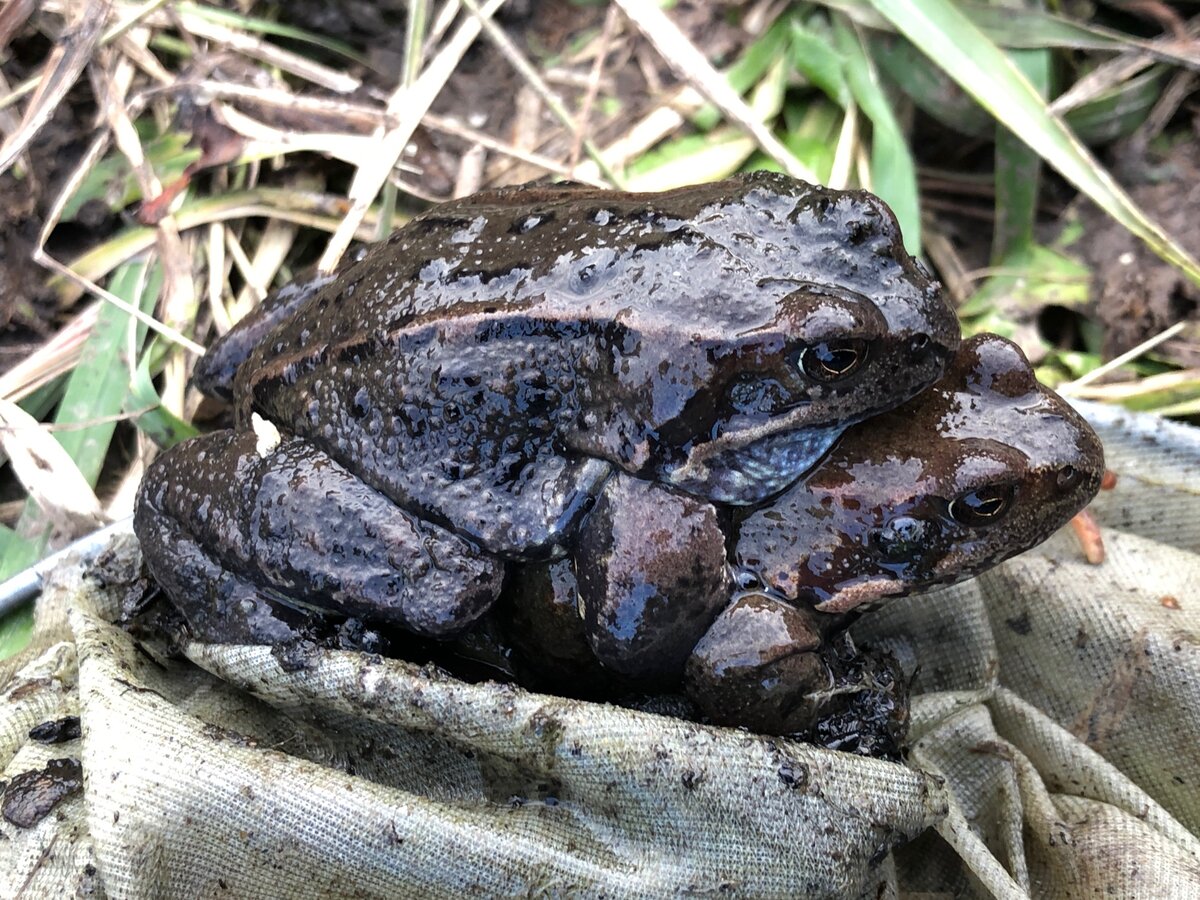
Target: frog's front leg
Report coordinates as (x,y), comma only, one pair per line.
(766,664)
(759,666)
(652,575)
(231,524)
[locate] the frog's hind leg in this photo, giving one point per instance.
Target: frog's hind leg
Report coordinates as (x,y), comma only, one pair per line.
(652,577)
(229,525)
(219,606)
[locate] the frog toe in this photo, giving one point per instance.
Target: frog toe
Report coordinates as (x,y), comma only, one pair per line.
(764,665)
(219,606)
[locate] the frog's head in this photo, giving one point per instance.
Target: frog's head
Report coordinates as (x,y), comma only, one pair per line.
(780,394)
(982,466)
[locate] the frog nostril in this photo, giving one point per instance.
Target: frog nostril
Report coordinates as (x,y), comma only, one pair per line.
(919,345)
(983,506)
(1067,478)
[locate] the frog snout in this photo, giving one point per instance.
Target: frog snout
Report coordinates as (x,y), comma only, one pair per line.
(904,539)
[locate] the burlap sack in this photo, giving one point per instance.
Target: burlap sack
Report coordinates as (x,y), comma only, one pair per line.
(1056,719)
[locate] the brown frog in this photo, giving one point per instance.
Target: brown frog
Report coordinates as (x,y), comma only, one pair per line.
(984,465)
(457,397)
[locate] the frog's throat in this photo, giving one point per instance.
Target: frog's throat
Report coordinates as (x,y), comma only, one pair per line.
(750,464)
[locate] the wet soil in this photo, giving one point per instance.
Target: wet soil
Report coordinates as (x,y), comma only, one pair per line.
(1135,295)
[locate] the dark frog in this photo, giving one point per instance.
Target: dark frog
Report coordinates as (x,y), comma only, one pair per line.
(980,467)
(457,398)
(984,465)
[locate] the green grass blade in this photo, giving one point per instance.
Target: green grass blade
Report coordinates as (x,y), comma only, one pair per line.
(1018,169)
(111,180)
(947,36)
(1027,27)
(893,173)
(303,207)
(96,389)
(1118,111)
(91,400)
(819,63)
(19,550)
(16,627)
(142,400)
(927,86)
(258,25)
(750,68)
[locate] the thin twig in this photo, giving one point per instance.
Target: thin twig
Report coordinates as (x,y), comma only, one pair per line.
(409,104)
(518,61)
(1128,356)
(593,85)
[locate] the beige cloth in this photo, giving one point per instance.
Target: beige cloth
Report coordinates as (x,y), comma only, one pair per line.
(1059,702)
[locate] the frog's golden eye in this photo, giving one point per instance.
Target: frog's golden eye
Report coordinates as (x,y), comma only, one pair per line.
(982,506)
(831,361)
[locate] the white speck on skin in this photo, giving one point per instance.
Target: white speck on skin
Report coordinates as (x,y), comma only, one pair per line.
(266,434)
(1126,258)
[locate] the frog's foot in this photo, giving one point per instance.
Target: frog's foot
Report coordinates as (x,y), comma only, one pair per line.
(866,711)
(652,575)
(759,666)
(258,521)
(763,665)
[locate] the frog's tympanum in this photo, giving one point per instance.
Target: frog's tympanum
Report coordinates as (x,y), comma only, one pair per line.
(457,398)
(982,466)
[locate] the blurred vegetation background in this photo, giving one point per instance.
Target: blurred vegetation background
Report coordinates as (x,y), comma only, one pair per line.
(166,164)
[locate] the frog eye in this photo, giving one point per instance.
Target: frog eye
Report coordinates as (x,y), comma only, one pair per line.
(831,361)
(982,506)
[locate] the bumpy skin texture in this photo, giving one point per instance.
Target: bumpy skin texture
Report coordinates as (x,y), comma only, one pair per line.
(215,371)
(982,466)
(468,366)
